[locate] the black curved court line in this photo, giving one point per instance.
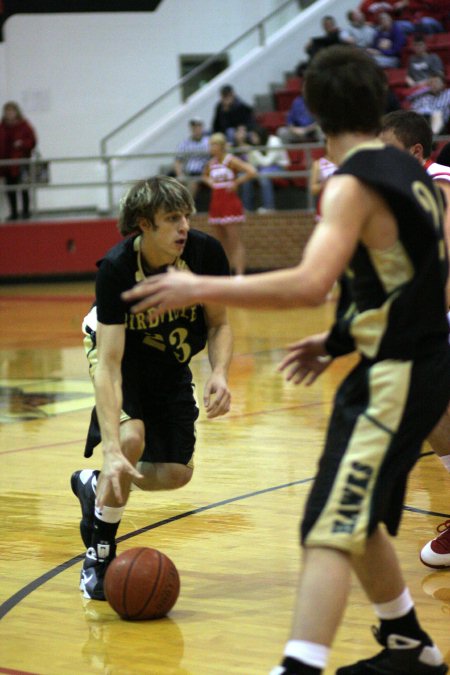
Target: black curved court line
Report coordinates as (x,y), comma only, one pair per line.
(14,600)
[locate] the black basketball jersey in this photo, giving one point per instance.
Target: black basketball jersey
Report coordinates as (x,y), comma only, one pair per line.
(157,341)
(394,300)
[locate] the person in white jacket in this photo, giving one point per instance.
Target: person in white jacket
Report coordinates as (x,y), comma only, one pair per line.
(268,156)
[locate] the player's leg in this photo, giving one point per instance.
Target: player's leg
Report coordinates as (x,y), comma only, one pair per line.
(101,547)
(162,475)
(436,553)
(313,630)
(406,646)
(167,461)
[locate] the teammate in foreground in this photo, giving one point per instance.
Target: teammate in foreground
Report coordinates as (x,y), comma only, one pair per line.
(145,409)
(382,227)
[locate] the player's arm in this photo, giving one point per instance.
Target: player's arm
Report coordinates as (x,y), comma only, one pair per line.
(332,243)
(245,170)
(216,395)
(108,403)
(206,178)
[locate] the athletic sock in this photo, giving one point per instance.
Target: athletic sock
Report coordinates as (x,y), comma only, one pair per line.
(399,616)
(106,524)
(305,658)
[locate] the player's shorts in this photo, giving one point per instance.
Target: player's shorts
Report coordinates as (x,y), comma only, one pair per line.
(165,403)
(382,414)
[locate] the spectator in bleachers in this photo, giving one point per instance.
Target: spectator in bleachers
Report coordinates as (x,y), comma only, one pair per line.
(241,142)
(433,102)
(360,33)
(371,9)
(231,112)
(413,15)
(331,36)
(422,64)
(301,125)
(193,153)
(17,141)
(269,158)
(388,42)
(422,15)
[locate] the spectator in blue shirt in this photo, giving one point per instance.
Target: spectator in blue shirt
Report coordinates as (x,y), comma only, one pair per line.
(388,42)
(301,125)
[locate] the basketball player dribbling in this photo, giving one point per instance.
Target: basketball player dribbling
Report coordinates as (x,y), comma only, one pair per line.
(382,226)
(145,410)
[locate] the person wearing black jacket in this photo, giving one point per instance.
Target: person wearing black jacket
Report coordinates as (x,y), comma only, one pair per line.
(231,112)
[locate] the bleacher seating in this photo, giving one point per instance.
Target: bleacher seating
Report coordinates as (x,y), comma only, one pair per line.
(438,43)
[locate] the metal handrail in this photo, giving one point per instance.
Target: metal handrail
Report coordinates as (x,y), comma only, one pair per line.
(108,183)
(258,28)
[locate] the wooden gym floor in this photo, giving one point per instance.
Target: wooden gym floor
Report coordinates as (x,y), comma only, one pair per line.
(233,532)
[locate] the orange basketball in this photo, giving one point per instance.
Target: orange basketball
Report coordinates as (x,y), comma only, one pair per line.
(142,583)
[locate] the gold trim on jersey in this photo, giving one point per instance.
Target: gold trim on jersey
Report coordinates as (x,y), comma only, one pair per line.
(140,275)
(344,519)
(394,269)
(374,144)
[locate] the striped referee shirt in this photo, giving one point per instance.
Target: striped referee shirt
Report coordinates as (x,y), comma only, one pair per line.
(197,154)
(428,103)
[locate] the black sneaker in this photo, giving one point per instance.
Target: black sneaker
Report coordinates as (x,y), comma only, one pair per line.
(83,485)
(93,571)
(402,656)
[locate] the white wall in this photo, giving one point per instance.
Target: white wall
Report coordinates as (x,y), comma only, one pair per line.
(78,76)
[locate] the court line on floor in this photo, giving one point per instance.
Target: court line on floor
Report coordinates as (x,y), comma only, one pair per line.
(20,595)
(255,413)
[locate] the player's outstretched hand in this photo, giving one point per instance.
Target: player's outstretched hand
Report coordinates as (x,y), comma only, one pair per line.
(306,360)
(216,396)
(172,290)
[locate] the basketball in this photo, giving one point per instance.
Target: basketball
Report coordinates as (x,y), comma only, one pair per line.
(142,583)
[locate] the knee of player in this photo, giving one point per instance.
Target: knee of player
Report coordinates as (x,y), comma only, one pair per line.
(133,446)
(177,475)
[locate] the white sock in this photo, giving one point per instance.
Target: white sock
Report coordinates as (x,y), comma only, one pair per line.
(394,609)
(310,653)
(109,514)
(445,459)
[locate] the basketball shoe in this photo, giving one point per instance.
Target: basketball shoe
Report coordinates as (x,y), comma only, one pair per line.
(84,484)
(94,568)
(437,552)
(402,656)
